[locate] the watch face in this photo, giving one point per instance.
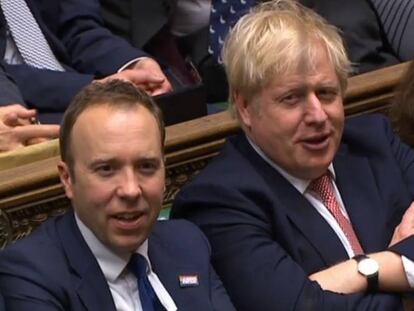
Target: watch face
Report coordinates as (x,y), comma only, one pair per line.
(368,266)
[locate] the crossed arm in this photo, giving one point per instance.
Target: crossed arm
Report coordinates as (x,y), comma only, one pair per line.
(344,277)
(263,267)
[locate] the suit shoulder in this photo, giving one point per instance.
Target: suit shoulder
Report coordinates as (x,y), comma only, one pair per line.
(234,162)
(369,124)
(42,237)
(34,254)
(369,131)
(178,233)
(179,228)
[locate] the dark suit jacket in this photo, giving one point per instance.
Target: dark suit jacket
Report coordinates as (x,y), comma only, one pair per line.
(137,20)
(75,32)
(54,269)
(362,31)
(9,93)
(267,238)
(2,307)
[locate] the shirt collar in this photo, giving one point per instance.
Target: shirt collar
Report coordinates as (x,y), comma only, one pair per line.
(111,264)
(300,184)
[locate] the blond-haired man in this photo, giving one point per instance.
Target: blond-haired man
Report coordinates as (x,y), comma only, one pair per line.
(303,212)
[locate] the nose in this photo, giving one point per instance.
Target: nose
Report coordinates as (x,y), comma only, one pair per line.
(129,187)
(315,110)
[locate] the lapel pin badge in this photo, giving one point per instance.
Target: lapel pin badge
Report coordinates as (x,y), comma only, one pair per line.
(188,280)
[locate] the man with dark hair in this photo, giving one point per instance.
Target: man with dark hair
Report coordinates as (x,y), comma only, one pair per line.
(110,253)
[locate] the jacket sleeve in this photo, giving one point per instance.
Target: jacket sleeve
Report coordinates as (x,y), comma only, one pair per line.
(92,47)
(404,156)
(46,90)
(9,93)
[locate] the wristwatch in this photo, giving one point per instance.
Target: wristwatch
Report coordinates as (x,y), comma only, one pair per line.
(368,267)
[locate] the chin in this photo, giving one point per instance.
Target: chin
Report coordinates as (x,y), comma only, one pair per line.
(128,246)
(316,170)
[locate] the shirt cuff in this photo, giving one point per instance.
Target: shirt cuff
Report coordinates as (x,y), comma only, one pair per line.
(409,270)
(130,63)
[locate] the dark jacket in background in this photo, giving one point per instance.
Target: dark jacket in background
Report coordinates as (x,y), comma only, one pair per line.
(75,32)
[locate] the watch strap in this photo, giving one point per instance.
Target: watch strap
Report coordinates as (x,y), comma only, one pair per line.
(372,279)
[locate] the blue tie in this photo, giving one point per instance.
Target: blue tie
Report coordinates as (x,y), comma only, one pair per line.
(224,15)
(149,301)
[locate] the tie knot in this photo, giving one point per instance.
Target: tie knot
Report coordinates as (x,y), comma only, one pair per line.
(138,266)
(322,185)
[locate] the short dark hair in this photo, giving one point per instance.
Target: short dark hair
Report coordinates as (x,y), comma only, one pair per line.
(114,93)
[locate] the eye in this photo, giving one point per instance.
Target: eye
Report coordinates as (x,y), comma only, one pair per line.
(327,94)
(105,170)
(290,99)
(148,167)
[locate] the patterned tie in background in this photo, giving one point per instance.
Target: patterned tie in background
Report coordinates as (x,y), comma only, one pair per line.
(28,36)
(324,188)
(224,15)
(149,300)
(395,16)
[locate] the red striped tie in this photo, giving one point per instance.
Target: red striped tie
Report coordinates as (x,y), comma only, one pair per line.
(323,187)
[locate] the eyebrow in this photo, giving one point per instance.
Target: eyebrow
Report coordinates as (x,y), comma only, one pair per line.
(104,160)
(99,161)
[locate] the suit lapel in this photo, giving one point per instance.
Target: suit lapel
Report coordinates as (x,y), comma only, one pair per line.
(167,270)
(169,265)
(356,185)
(309,222)
(301,213)
(93,296)
(88,278)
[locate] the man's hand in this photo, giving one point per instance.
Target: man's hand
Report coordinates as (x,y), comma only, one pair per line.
(151,66)
(146,74)
(17,131)
(406,226)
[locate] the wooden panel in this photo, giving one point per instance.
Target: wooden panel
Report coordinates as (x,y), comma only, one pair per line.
(31,193)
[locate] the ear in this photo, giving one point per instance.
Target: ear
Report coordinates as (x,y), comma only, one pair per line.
(65,178)
(243,109)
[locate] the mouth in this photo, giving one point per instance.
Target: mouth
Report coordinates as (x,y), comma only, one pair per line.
(128,221)
(316,142)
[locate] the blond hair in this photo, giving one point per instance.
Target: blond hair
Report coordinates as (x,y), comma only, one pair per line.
(274,39)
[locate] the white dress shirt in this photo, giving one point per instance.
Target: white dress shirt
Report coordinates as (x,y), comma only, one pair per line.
(302,186)
(122,283)
(12,55)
